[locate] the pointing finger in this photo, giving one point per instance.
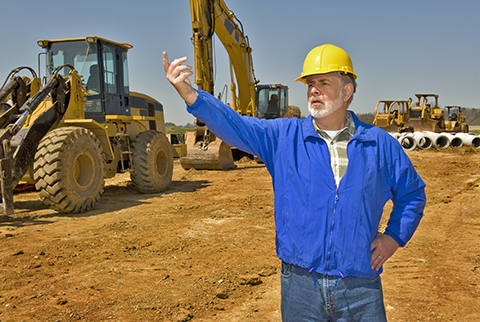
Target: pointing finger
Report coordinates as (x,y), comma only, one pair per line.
(166,65)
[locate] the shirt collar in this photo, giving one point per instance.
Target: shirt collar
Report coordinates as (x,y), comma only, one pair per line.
(350,127)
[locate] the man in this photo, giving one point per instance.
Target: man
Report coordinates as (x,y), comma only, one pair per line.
(331,175)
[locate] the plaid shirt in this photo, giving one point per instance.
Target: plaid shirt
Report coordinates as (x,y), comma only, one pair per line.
(338,147)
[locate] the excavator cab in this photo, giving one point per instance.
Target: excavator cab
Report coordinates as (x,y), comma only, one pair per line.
(272,101)
(103,66)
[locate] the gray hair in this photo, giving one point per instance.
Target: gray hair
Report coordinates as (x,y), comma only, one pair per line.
(346,79)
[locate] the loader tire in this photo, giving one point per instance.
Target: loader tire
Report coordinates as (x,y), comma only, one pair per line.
(152,162)
(69,170)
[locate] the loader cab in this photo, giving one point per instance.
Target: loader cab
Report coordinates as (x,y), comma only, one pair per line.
(272,101)
(104,70)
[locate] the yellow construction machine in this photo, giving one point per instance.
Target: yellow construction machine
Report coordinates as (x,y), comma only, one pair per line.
(82,126)
(393,116)
(455,120)
(426,115)
(423,116)
(210,17)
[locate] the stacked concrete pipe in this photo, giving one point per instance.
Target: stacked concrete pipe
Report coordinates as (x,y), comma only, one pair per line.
(407,141)
(455,141)
(469,139)
(396,135)
(423,140)
(439,140)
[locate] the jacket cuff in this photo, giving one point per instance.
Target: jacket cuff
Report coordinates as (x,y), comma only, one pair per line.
(395,237)
(196,103)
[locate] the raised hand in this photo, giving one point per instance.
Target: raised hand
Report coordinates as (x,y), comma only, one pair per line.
(177,74)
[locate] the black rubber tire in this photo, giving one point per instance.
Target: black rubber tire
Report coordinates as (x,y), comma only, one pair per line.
(152,162)
(69,170)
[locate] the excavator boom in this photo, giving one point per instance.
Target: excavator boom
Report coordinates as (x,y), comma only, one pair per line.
(210,17)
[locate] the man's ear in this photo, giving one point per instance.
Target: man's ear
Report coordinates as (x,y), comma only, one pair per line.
(347,92)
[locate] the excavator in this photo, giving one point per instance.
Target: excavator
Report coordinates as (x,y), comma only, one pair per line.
(82,126)
(210,17)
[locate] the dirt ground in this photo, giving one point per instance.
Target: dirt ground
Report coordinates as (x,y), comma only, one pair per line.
(205,251)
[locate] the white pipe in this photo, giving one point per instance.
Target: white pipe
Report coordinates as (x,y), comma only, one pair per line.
(423,141)
(396,135)
(440,141)
(469,139)
(455,141)
(408,142)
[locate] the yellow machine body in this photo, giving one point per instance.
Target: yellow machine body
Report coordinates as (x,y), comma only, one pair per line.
(97,126)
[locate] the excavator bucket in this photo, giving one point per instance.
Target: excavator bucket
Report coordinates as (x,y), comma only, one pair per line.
(217,155)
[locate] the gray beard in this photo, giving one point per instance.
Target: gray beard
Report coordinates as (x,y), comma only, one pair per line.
(328,108)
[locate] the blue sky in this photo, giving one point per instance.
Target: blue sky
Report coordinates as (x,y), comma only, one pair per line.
(398,48)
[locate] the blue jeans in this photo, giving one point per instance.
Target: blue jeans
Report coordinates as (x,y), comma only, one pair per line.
(312,297)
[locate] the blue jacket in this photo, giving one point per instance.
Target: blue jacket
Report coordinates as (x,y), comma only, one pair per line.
(317,225)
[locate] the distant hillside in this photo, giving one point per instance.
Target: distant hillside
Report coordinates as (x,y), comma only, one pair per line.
(366,117)
(472,115)
(172,128)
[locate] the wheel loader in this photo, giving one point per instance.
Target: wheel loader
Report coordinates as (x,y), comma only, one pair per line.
(81,127)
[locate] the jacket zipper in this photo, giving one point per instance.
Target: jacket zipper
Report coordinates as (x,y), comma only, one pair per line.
(331,230)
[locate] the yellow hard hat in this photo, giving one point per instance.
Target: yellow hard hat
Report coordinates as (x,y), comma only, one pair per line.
(326,59)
